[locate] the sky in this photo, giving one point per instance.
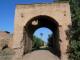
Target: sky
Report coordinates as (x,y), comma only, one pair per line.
(7,12)
(45,31)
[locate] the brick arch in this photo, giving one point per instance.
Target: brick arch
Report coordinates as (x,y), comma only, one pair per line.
(24,13)
(42,21)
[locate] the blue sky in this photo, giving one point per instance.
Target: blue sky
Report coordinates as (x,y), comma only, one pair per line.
(45,31)
(7,12)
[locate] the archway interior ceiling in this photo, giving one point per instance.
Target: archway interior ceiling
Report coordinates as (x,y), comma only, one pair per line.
(43,21)
(48,22)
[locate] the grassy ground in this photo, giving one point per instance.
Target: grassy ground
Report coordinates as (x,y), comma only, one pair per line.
(6,54)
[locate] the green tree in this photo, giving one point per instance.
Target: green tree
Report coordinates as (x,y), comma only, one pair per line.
(37,43)
(75,31)
(74,47)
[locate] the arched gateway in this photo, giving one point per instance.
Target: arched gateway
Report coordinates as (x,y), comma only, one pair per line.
(28,18)
(38,22)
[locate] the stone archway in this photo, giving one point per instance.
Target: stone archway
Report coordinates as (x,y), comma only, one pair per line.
(42,21)
(60,12)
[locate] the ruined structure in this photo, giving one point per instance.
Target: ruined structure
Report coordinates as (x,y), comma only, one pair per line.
(5,37)
(28,18)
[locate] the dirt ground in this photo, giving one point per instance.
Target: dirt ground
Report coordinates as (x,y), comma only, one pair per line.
(40,55)
(7,54)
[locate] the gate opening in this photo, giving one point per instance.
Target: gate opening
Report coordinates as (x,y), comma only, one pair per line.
(40,38)
(38,22)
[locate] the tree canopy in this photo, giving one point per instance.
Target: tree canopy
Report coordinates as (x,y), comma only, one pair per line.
(74,43)
(37,43)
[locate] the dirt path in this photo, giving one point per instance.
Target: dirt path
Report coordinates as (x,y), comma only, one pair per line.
(40,55)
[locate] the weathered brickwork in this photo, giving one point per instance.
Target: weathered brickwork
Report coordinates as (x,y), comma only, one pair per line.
(23,13)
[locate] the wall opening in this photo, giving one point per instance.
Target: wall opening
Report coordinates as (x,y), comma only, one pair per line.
(38,22)
(40,38)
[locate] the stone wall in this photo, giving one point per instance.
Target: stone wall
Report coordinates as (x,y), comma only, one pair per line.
(5,38)
(24,13)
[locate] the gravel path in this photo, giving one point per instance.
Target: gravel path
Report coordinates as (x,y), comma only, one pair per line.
(40,55)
